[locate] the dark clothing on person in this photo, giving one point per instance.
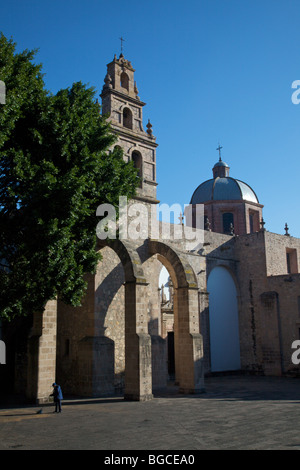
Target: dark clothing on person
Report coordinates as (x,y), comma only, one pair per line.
(58,396)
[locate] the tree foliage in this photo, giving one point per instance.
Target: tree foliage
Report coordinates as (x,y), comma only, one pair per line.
(55,169)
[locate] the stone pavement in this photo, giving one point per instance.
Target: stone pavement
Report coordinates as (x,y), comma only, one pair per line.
(235,412)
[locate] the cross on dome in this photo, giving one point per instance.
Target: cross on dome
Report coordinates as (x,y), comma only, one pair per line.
(219,149)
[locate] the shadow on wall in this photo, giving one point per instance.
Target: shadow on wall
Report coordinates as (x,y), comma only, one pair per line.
(110,323)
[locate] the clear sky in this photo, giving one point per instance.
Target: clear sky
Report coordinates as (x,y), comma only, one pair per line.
(210,71)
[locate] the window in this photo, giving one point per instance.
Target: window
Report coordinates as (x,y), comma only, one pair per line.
(253,221)
(288,262)
(227,222)
(291,261)
(124,81)
(137,161)
(205,222)
(127,118)
(118,147)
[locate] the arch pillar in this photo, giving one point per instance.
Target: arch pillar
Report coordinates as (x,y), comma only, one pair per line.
(42,354)
(138,364)
(188,342)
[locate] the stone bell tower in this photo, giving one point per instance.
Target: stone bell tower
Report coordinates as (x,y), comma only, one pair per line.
(124,109)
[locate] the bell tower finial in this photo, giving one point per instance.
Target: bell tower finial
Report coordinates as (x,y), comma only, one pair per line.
(122,40)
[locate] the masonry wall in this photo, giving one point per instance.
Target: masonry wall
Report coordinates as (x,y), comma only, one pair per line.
(110,318)
(91,341)
(91,355)
(268,302)
(287,288)
(277,247)
(251,275)
(75,326)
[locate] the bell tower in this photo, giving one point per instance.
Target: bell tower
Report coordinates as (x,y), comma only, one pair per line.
(124,110)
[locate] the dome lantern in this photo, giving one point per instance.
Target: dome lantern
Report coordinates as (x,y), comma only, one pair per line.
(221,169)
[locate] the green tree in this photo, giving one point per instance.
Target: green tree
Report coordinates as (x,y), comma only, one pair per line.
(55,169)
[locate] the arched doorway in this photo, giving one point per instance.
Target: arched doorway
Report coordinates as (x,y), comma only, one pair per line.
(167,319)
(188,348)
(111,350)
(138,375)
(223,321)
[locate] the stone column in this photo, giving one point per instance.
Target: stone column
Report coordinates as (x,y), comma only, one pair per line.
(42,354)
(189,350)
(138,367)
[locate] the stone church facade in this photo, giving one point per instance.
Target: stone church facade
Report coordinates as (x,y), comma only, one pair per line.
(235,297)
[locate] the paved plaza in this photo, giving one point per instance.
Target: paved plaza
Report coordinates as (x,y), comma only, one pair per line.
(235,412)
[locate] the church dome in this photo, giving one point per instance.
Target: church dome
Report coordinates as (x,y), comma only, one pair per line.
(230,205)
(223,189)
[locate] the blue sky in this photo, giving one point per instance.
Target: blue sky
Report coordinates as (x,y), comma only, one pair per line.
(209,70)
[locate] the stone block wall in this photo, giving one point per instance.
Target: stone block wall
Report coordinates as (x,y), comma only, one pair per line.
(277,247)
(287,288)
(74,324)
(110,311)
(252,283)
(268,302)
(41,372)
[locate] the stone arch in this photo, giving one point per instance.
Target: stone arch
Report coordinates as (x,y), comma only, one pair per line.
(129,257)
(138,372)
(188,341)
(117,147)
(229,265)
(180,270)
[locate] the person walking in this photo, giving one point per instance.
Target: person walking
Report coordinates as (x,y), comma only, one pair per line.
(58,397)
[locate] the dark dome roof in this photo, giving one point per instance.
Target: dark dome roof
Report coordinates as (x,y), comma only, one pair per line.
(221,163)
(223,189)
